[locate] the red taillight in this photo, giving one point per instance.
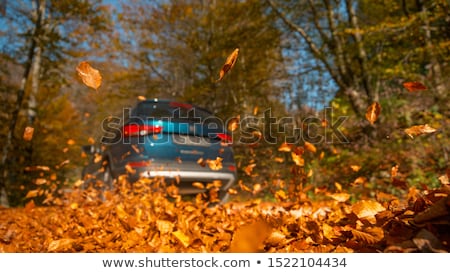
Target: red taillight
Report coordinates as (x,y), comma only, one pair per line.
(225,138)
(141,130)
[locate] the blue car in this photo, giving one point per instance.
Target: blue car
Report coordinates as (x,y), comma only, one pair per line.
(181,143)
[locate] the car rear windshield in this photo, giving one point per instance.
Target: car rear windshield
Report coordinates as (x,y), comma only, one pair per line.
(171,110)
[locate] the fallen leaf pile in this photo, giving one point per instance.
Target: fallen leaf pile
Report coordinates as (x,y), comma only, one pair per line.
(143,220)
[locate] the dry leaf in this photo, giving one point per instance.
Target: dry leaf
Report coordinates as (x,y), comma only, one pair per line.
(373,111)
(298,159)
(285,147)
(367,209)
(233,124)
(418,130)
(229,63)
(310,147)
(414,86)
(355,168)
(340,197)
(182,238)
(198,185)
(216,164)
(250,238)
(28,133)
(91,77)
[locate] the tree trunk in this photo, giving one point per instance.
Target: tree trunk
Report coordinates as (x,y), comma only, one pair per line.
(31,71)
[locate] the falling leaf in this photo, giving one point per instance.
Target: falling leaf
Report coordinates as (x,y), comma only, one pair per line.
(232,191)
(355,168)
(340,197)
(414,86)
(70,142)
(373,111)
(243,186)
(249,238)
(418,130)
(198,185)
(298,159)
(28,133)
(32,194)
(233,124)
(91,77)
(310,147)
(141,98)
(285,147)
(394,171)
(249,169)
(229,63)
(216,164)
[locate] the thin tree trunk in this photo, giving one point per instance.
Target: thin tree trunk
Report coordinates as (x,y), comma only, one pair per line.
(32,63)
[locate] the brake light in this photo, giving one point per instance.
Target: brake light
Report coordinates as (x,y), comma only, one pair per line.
(225,138)
(141,130)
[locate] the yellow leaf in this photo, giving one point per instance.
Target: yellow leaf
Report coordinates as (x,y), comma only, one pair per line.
(355,168)
(182,238)
(233,124)
(164,227)
(229,63)
(340,197)
(298,159)
(373,111)
(91,77)
(60,245)
(284,147)
(216,164)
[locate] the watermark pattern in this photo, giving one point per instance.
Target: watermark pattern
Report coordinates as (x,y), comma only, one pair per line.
(251,129)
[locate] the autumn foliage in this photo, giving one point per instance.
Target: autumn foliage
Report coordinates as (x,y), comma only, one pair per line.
(140,219)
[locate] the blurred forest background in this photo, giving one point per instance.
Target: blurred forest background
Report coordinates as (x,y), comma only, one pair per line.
(298,58)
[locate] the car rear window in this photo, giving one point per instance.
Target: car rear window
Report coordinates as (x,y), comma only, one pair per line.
(173,110)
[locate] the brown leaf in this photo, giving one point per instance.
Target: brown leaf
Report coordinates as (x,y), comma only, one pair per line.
(418,130)
(229,63)
(370,235)
(91,77)
(298,159)
(373,111)
(414,86)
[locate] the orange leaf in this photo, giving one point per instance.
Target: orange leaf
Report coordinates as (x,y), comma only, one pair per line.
(340,197)
(182,238)
(284,147)
(367,209)
(216,164)
(310,147)
(419,130)
(233,124)
(198,185)
(91,77)
(414,86)
(250,238)
(28,133)
(373,111)
(298,159)
(229,63)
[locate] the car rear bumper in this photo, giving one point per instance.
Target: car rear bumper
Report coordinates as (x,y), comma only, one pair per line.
(185,179)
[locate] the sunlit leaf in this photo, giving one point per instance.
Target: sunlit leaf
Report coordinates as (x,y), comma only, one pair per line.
(141,98)
(371,235)
(414,86)
(373,111)
(355,168)
(90,76)
(285,147)
(198,185)
(32,194)
(310,147)
(60,245)
(229,63)
(28,133)
(367,209)
(298,159)
(418,130)
(249,169)
(233,124)
(215,164)
(340,197)
(182,238)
